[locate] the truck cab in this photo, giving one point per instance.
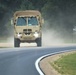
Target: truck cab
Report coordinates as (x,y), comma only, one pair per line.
(27,27)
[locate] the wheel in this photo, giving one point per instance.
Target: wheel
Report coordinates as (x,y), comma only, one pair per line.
(16,42)
(39,42)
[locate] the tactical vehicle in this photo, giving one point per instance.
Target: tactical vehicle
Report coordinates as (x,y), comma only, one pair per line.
(27,27)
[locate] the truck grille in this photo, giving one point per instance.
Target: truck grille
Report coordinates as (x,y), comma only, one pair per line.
(27,31)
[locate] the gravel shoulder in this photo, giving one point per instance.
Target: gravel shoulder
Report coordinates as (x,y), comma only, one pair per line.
(11,44)
(6,45)
(45,63)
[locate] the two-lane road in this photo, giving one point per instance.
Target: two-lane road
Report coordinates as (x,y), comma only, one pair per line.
(21,61)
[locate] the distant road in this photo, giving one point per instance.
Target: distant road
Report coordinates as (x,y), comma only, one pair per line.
(21,61)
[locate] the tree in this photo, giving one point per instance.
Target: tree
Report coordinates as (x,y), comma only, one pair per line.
(26,5)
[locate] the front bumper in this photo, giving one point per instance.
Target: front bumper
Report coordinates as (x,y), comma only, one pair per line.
(24,37)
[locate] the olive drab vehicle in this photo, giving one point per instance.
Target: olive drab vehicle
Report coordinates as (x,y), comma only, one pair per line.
(27,27)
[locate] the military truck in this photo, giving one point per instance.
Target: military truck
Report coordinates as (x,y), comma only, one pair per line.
(27,27)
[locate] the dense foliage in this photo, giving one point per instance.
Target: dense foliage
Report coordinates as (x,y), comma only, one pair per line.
(59,14)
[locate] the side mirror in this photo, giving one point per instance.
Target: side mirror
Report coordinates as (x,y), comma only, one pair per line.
(42,21)
(12,21)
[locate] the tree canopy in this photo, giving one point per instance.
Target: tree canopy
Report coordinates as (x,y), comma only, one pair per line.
(58,13)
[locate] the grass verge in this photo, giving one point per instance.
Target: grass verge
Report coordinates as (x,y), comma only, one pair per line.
(66,65)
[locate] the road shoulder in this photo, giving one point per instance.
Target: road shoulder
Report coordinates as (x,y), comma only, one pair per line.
(45,63)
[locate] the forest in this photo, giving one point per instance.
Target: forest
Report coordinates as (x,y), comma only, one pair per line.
(59,15)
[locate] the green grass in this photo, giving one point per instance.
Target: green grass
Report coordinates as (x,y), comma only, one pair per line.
(3,39)
(66,65)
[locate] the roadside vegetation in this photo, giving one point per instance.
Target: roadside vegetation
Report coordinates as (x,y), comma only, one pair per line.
(3,39)
(66,65)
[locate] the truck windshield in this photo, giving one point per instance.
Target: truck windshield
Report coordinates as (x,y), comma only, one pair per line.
(30,21)
(21,21)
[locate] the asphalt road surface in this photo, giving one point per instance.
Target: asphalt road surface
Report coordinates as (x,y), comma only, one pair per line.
(21,61)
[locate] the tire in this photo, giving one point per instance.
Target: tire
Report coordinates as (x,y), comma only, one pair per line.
(16,42)
(39,42)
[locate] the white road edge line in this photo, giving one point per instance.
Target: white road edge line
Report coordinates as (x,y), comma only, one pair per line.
(39,59)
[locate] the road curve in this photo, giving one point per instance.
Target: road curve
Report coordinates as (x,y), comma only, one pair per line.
(21,61)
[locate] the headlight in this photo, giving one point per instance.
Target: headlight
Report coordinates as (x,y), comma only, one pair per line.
(19,35)
(36,34)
